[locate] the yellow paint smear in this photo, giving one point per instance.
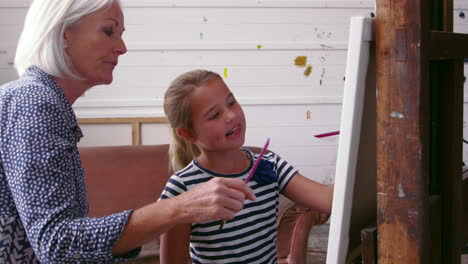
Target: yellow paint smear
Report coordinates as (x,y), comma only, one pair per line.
(308,70)
(300,61)
(225,73)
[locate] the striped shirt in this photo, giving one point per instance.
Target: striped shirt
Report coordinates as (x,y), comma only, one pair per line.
(251,236)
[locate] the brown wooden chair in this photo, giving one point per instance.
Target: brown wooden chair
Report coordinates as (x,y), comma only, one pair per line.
(129,177)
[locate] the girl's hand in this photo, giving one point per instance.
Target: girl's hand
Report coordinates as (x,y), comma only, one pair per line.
(219,198)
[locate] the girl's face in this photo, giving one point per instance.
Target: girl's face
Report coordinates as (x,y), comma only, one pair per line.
(94,44)
(217,118)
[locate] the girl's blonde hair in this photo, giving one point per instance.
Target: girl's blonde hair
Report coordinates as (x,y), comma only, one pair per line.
(179,114)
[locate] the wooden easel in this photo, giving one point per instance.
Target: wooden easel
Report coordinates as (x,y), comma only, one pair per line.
(419,131)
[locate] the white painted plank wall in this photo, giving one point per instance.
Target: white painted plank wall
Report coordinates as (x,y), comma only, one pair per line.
(255,42)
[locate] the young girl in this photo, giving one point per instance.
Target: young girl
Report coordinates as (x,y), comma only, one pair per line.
(209,127)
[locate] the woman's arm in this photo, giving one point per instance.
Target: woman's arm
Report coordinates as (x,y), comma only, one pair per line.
(219,198)
(175,245)
(310,193)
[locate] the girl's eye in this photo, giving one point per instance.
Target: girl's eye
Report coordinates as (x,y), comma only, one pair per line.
(213,116)
(232,103)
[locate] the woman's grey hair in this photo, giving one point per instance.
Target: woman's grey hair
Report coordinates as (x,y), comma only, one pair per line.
(41,42)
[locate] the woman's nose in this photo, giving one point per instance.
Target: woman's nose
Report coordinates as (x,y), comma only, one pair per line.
(121,48)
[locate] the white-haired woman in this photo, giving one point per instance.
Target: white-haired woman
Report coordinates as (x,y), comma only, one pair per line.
(66,47)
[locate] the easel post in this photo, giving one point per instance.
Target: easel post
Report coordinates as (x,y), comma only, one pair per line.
(419,131)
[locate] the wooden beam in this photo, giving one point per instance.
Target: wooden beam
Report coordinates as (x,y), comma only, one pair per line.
(447,45)
(121,120)
(402,132)
(136,133)
(369,245)
(449,86)
(134,121)
(448,15)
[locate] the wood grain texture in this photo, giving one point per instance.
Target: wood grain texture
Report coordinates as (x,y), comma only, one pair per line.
(402,143)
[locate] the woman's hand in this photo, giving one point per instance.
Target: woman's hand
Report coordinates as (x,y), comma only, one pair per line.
(219,198)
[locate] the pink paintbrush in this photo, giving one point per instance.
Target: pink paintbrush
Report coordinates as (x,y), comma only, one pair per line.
(252,171)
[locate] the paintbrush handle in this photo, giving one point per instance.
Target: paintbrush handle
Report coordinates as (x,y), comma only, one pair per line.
(252,171)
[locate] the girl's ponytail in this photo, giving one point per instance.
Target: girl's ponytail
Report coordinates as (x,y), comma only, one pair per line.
(178,112)
(181,152)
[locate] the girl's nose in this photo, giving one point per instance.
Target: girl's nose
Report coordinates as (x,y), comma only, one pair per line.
(230,115)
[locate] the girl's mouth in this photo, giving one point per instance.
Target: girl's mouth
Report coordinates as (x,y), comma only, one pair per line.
(234,131)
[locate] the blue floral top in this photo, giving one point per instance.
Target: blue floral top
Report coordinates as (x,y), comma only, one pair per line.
(43,203)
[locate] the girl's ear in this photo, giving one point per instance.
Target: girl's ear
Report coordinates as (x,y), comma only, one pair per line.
(186,135)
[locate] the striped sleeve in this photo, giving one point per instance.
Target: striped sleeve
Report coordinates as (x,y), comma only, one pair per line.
(284,170)
(174,187)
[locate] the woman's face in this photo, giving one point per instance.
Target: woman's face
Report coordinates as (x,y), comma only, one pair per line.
(217,118)
(94,44)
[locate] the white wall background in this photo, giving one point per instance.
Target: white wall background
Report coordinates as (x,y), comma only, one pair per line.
(252,43)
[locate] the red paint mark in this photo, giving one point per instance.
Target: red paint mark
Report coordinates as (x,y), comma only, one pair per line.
(329,134)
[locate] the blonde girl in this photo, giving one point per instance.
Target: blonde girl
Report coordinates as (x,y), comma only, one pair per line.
(208,126)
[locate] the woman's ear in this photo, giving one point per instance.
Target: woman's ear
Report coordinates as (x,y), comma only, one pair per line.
(186,135)
(66,38)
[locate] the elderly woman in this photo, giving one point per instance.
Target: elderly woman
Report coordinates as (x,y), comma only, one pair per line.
(67,47)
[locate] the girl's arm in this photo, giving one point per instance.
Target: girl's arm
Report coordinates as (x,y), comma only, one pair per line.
(309,193)
(175,245)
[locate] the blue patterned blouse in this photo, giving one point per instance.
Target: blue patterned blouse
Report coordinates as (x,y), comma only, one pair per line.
(43,203)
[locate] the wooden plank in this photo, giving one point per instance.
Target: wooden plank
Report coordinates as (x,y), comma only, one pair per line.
(369,245)
(450,96)
(134,121)
(402,133)
(447,45)
(122,120)
(136,133)
(448,15)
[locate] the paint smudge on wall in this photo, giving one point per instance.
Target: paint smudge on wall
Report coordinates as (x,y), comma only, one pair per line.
(324,35)
(308,114)
(397,115)
(259,46)
(308,70)
(401,192)
(201,35)
(300,61)
(225,73)
(324,46)
(205,19)
(322,75)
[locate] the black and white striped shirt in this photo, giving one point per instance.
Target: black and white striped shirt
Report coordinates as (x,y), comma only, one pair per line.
(251,236)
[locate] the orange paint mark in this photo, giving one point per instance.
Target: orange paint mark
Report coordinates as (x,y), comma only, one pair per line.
(300,61)
(308,70)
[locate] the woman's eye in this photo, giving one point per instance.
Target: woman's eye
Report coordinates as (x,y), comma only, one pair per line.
(232,103)
(109,31)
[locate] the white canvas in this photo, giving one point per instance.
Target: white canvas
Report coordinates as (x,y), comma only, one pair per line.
(360,37)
